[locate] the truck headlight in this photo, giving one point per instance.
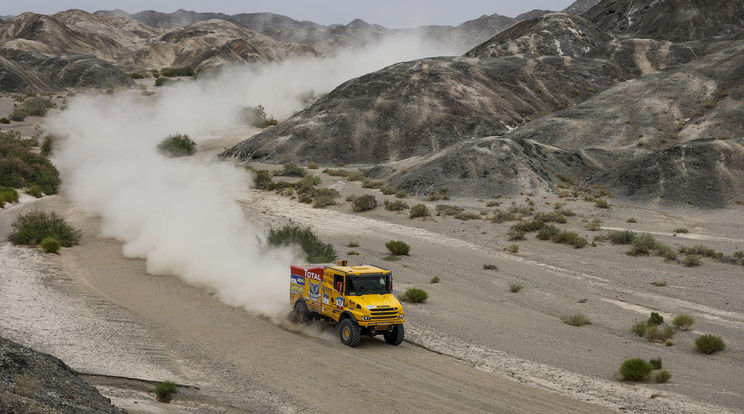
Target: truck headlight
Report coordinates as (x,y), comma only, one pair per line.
(401,316)
(366,318)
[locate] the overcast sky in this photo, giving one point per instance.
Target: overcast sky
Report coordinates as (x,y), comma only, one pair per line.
(389,13)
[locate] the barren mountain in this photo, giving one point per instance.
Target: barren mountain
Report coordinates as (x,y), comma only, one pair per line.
(625,105)
(581,6)
(679,20)
(416,108)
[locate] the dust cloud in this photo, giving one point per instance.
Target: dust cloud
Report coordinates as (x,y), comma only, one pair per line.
(180,214)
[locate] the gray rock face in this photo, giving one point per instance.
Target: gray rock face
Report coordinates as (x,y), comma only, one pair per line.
(416,108)
(678,21)
(581,6)
(33,382)
(558,34)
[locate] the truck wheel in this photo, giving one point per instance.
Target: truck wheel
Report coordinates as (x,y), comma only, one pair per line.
(300,313)
(349,332)
(395,337)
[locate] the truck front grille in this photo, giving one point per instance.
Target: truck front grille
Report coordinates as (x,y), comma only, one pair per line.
(383,313)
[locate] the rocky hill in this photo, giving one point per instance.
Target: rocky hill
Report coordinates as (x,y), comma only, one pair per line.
(35,383)
(561,94)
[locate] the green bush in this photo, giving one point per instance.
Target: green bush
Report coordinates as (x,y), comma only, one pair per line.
(164,391)
(467,215)
(642,245)
(263,178)
(631,220)
(50,245)
(387,190)
(709,344)
(174,72)
(572,238)
(20,166)
(324,201)
(683,321)
(178,145)
(163,82)
(447,210)
(136,75)
(37,106)
(419,210)
(635,369)
(547,232)
(4,120)
(515,234)
(593,225)
(681,230)
(576,320)
(18,114)
(435,279)
(34,191)
(601,203)
(514,248)
(314,248)
(415,295)
(658,333)
(48,144)
(655,319)
(391,258)
(441,194)
(490,267)
(30,229)
(656,362)
(692,260)
(256,116)
(398,247)
(291,169)
(364,203)
(662,376)
(8,195)
(701,250)
(528,226)
(396,205)
(640,328)
(622,237)
(515,287)
(352,253)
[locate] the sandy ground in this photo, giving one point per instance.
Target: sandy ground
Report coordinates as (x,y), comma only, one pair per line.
(473,347)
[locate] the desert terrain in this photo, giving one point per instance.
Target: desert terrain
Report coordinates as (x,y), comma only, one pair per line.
(611,116)
(472,346)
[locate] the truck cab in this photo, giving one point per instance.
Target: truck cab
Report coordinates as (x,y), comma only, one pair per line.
(359,299)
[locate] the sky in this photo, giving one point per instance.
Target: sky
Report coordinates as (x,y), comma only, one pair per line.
(388,13)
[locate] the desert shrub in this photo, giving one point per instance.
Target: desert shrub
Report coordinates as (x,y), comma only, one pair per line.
(655,319)
(354,176)
(164,391)
(263,178)
(490,267)
(352,243)
(515,234)
(387,190)
(398,247)
(435,279)
(30,229)
(415,295)
(683,321)
(291,169)
(367,183)
(50,245)
(8,195)
(396,205)
(256,116)
(391,258)
(528,226)
(622,237)
(639,328)
(514,248)
(174,72)
(669,342)
(572,238)
(163,82)
(20,166)
(467,215)
(547,232)
(662,376)
(601,203)
(313,166)
(691,260)
(401,194)
(136,75)
(515,287)
(660,282)
(681,230)
(642,245)
(593,225)
(666,252)
(178,145)
(419,210)
(447,210)
(34,191)
(352,253)
(316,251)
(658,333)
(701,250)
(37,106)
(441,194)
(656,362)
(364,203)
(709,344)
(576,320)
(554,216)
(635,369)
(631,220)
(4,120)
(324,201)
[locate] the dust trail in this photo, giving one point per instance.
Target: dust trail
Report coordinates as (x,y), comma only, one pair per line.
(179,214)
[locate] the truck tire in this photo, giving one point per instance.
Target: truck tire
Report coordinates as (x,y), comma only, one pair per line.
(349,332)
(300,313)
(395,337)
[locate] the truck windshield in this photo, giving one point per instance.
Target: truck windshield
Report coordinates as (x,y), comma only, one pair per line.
(369,284)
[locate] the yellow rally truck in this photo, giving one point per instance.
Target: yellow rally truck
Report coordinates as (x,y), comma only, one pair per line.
(358,298)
